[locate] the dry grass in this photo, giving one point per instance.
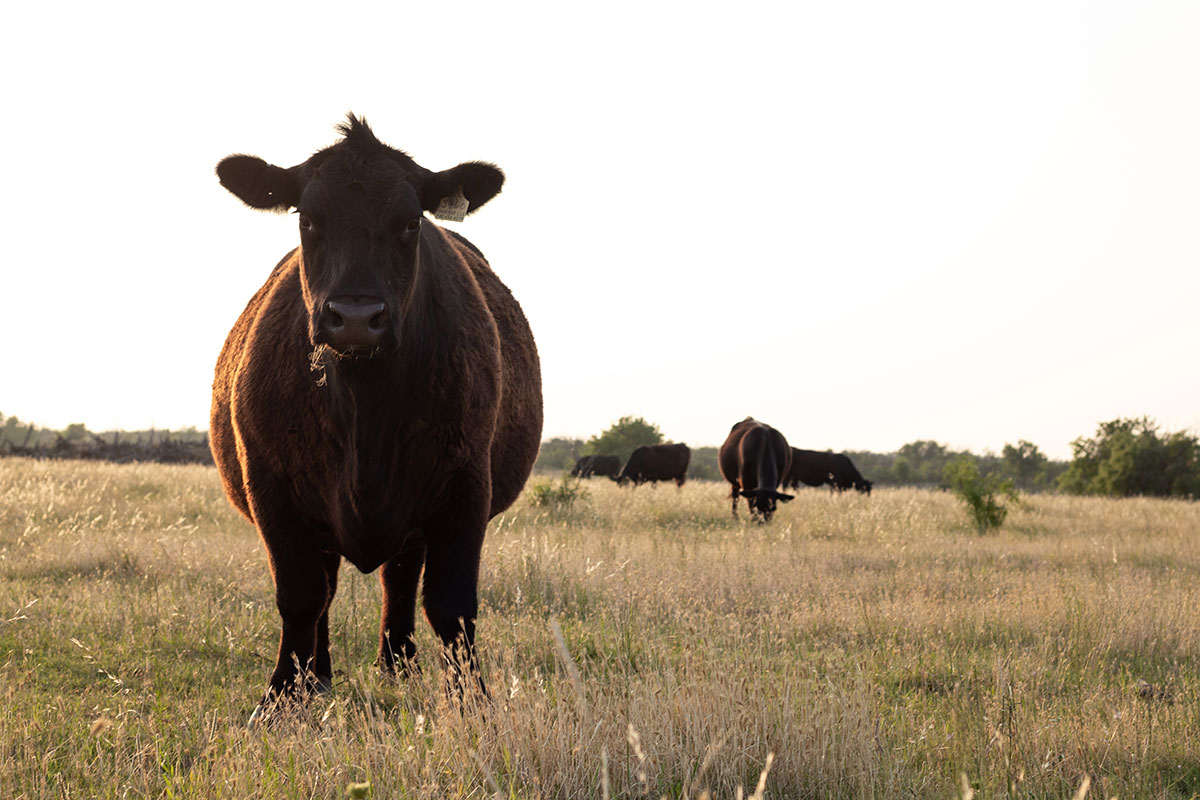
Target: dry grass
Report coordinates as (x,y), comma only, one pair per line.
(876,646)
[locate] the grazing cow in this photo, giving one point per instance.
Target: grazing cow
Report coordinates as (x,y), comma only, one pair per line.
(652,463)
(378,400)
(754,459)
(846,476)
(809,467)
(816,468)
(588,466)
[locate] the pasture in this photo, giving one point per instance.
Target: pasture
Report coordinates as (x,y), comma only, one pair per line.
(876,646)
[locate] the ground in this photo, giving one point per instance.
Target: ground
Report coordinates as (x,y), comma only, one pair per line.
(877,646)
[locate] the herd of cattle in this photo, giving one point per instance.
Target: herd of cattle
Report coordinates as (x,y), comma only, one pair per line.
(755,459)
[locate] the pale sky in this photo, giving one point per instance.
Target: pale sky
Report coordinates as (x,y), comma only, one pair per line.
(864,223)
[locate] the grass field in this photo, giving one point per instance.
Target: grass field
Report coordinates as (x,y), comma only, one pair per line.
(876,646)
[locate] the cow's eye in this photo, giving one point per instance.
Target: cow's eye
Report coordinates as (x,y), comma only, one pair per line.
(306,223)
(413,227)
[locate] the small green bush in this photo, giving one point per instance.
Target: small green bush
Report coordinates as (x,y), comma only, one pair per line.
(983,496)
(557,496)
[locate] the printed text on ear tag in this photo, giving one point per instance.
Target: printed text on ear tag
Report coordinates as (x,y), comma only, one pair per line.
(453,208)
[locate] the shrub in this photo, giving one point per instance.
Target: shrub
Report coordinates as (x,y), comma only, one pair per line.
(557,496)
(982,496)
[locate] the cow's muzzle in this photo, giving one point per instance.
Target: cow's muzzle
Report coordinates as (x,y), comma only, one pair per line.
(346,323)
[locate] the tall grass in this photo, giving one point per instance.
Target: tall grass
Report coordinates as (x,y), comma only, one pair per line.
(874,645)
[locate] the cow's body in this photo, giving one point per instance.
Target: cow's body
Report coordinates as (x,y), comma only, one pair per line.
(755,458)
(652,463)
(810,468)
(379,399)
(816,468)
(588,466)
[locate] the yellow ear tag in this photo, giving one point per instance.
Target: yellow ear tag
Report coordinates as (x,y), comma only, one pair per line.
(452,208)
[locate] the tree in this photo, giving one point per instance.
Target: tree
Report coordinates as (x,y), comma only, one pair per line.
(1129,457)
(557,454)
(927,460)
(623,437)
(76,432)
(1025,464)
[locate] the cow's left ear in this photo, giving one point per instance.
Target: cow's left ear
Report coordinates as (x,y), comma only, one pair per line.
(476,181)
(259,184)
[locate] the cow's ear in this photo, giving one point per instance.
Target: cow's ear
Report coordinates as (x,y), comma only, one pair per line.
(784,498)
(476,182)
(259,184)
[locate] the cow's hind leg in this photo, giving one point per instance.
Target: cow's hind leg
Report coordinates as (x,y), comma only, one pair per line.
(399,579)
(733,495)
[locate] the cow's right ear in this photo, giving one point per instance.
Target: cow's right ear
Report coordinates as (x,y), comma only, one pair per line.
(259,184)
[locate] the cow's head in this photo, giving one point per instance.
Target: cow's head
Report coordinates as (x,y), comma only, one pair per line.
(361,208)
(762,501)
(863,486)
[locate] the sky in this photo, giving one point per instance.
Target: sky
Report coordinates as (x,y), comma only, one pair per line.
(864,223)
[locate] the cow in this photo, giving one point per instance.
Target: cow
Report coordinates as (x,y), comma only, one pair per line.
(652,463)
(846,476)
(755,458)
(588,466)
(817,468)
(378,400)
(809,467)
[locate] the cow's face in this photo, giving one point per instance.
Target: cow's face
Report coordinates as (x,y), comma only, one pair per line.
(763,501)
(360,207)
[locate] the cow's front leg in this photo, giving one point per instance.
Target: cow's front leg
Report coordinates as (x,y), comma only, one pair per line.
(398,579)
(322,664)
(302,596)
(450,590)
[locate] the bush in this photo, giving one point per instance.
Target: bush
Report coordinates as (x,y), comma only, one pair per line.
(557,497)
(981,495)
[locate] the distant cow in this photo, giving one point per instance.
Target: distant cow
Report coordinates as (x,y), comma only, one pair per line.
(846,476)
(652,463)
(817,468)
(378,400)
(754,459)
(588,466)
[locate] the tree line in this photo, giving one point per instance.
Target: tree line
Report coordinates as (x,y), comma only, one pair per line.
(1124,458)
(20,438)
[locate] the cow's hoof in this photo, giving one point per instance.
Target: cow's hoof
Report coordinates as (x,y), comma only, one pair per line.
(256,718)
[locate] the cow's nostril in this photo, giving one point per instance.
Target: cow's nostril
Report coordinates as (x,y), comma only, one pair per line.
(377,322)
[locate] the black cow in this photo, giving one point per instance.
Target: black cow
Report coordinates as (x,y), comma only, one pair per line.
(605,466)
(809,467)
(846,476)
(817,468)
(378,400)
(754,459)
(652,463)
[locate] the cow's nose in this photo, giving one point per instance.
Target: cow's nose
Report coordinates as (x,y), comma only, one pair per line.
(354,321)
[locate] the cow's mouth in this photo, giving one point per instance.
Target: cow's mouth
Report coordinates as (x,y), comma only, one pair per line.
(324,355)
